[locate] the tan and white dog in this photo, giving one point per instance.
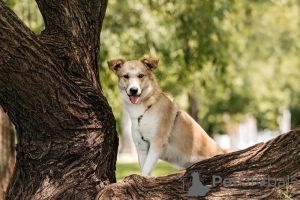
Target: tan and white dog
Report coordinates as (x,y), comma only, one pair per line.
(159,128)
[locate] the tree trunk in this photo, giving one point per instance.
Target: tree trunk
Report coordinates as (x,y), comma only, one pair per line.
(193,104)
(7,151)
(49,86)
(278,158)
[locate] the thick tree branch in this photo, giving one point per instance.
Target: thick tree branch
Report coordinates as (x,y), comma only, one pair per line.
(23,59)
(278,158)
(72,30)
(19,42)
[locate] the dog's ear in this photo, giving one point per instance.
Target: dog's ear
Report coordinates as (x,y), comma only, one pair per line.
(150,63)
(115,65)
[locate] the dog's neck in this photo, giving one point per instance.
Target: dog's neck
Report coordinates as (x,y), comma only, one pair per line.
(153,95)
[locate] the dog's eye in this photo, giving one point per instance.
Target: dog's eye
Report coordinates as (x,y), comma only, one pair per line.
(141,75)
(126,76)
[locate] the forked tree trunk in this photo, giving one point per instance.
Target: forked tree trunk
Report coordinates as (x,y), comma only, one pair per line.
(7,151)
(278,158)
(49,86)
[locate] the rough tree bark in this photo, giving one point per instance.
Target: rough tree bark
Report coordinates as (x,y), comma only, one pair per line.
(49,86)
(7,151)
(278,158)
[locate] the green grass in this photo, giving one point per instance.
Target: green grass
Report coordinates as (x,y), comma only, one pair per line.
(126,169)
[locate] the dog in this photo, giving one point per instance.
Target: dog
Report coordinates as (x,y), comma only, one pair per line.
(160,130)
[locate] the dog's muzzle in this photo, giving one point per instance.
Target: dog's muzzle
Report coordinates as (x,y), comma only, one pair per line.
(133,91)
(134,95)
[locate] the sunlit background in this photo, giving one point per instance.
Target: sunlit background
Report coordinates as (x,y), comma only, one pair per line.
(233,65)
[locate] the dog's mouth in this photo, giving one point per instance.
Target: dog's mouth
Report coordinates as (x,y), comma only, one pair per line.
(134,99)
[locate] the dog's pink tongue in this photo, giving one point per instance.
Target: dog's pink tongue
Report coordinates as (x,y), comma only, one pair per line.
(134,99)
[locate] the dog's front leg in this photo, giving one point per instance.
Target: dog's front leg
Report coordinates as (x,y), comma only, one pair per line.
(142,147)
(151,160)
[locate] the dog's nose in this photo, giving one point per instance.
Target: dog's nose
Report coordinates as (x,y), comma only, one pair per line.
(133,90)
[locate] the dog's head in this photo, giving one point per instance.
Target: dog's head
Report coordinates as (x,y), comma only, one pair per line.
(135,77)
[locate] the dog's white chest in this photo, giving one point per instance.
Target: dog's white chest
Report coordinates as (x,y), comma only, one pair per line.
(135,111)
(148,126)
(144,122)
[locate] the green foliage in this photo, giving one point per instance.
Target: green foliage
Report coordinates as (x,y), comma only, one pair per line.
(28,12)
(264,50)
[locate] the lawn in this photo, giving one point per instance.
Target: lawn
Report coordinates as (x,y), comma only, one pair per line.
(126,169)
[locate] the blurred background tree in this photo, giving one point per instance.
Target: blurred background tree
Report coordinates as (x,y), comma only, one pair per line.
(265,68)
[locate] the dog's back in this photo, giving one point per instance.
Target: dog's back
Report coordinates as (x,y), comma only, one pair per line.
(188,143)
